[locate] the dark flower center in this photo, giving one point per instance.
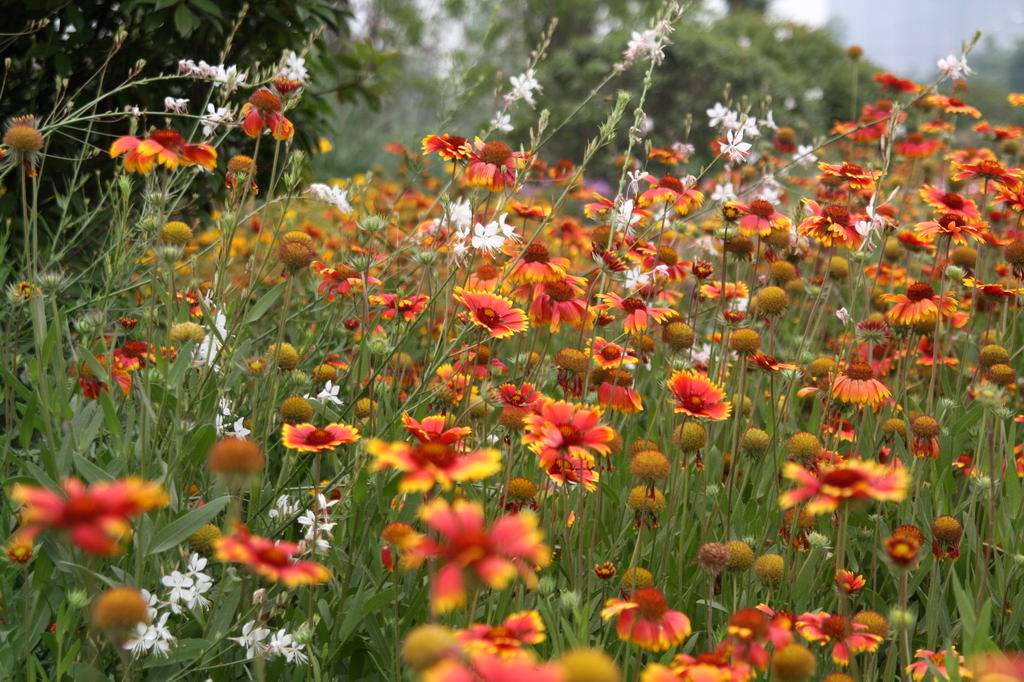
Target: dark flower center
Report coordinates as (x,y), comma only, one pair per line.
(953,200)
(671,183)
(860,371)
(761,208)
(319,437)
(840,215)
(167,138)
(536,253)
(495,153)
(559,291)
(632,304)
(650,602)
(919,291)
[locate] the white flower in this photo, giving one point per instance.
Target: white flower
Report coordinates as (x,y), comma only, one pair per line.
(502,122)
(623,217)
(234,430)
(215,117)
(724,192)
(783,33)
(492,236)
(252,639)
(954,67)
(134,111)
(180,585)
(634,177)
(175,105)
(814,94)
(335,196)
(209,348)
(329,393)
(844,315)
(749,127)
(769,121)
(805,154)
(154,636)
(523,87)
(719,114)
(735,149)
(317,530)
(461,214)
(283,508)
(789,103)
(702,354)
(229,78)
(744,42)
(294,67)
(284,644)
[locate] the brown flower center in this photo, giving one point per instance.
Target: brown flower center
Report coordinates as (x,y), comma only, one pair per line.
(650,602)
(671,183)
(167,138)
(761,208)
(488,316)
(919,291)
(438,454)
(632,304)
(496,153)
(319,437)
(953,200)
(536,253)
(834,627)
(834,213)
(559,291)
(860,371)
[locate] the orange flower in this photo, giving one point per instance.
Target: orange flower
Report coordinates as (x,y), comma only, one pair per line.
(956,226)
(410,307)
(432,463)
(646,620)
(835,482)
(433,429)
(448,147)
(849,582)
(309,438)
(513,544)
(830,226)
(638,313)
(857,177)
(927,659)
(562,430)
(918,304)
(557,302)
(271,560)
(487,668)
(264,110)
(986,169)
(846,636)
(670,189)
(492,312)
(493,165)
(608,355)
(760,218)
(535,266)
(505,640)
(696,396)
(858,386)
(94,517)
(949,202)
(713,666)
(728,291)
(165,147)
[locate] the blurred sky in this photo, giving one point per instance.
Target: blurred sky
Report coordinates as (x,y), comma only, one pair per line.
(908,36)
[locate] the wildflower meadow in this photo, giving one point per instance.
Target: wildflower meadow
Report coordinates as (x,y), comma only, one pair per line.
(722,398)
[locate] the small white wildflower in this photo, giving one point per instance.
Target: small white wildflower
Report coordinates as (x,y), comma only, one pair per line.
(175,105)
(153,637)
(329,393)
(744,42)
(814,94)
(954,67)
(735,149)
(844,315)
(253,639)
(623,216)
(461,214)
(723,192)
(294,68)
(769,121)
(284,644)
(502,122)
(229,78)
(335,196)
(523,87)
(214,118)
(805,155)
(719,115)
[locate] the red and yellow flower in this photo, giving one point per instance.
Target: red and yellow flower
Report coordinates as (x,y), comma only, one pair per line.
(697,396)
(920,303)
(94,517)
(431,463)
(493,165)
(506,640)
(645,620)
(165,147)
(608,355)
(465,546)
(536,265)
(263,110)
(857,385)
(492,312)
(670,189)
(835,482)
(310,438)
(847,637)
(448,147)
(760,218)
(926,660)
(955,226)
(830,226)
(273,561)
(638,313)
(560,430)
(409,307)
(949,202)
(854,175)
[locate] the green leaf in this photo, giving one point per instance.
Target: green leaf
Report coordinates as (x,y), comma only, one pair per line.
(268,299)
(175,532)
(89,471)
(185,21)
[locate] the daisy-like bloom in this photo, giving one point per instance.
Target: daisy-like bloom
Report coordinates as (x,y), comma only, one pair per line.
(601,206)
(749,632)
(493,165)
(918,304)
(846,636)
(616,392)
(957,227)
(769,363)
(435,429)
(165,147)
(895,83)
(1011,195)
(638,312)
(557,302)
(835,482)
(525,397)
(857,177)
(953,105)
(273,561)
(431,463)
(487,668)
(671,190)
(575,470)
(858,386)
(513,544)
(263,110)
(94,517)
(697,396)
(830,226)
(505,640)
(409,307)
(728,290)
(916,146)
(949,202)
(448,147)
(645,620)
(608,355)
(560,430)
(713,666)
(524,210)
(310,438)
(920,669)
(340,279)
(535,265)
(760,218)
(849,582)
(985,169)
(492,312)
